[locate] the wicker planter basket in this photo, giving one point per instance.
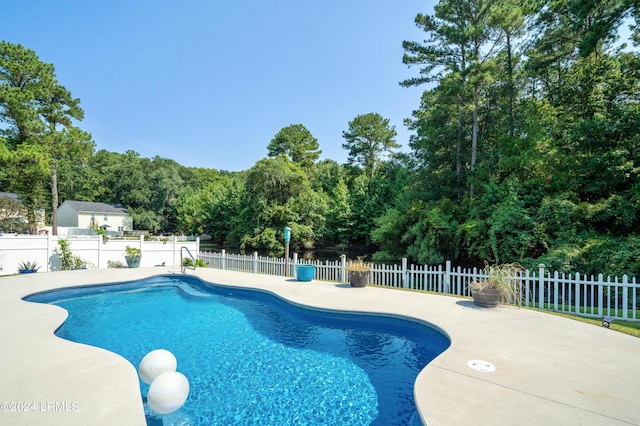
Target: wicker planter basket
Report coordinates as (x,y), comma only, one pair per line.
(486,297)
(358,278)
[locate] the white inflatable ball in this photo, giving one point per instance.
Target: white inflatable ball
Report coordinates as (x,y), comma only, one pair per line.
(168,392)
(155,363)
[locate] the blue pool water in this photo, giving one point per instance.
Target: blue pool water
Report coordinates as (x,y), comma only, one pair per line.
(254,359)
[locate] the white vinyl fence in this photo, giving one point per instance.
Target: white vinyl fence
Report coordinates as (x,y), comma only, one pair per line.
(98,253)
(593,296)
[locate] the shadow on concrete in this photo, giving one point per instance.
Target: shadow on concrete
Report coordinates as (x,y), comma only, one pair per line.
(344,285)
(469,304)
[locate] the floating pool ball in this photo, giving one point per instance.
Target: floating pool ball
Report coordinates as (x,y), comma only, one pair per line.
(155,363)
(168,392)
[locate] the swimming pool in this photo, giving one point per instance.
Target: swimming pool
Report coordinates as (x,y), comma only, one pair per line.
(252,358)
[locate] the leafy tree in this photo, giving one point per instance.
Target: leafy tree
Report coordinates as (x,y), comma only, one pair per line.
(166,186)
(213,210)
(34,104)
(23,80)
(270,185)
(339,217)
(445,57)
(28,173)
(432,237)
(11,214)
(190,208)
(369,138)
(368,200)
(599,20)
(325,175)
(439,171)
(510,22)
(150,188)
(278,194)
(389,232)
(77,179)
(297,143)
(125,181)
(68,148)
(309,223)
(275,180)
(462,42)
(223,207)
(200,177)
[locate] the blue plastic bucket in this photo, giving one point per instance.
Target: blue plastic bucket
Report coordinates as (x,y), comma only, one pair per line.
(305,272)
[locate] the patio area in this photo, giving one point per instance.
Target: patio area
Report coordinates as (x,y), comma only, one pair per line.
(548,370)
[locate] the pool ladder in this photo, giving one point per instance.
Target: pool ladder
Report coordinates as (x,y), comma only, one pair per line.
(184,267)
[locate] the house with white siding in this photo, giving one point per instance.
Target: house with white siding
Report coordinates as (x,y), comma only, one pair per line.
(84,214)
(13,214)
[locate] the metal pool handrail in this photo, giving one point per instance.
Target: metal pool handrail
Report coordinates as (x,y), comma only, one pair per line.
(183,267)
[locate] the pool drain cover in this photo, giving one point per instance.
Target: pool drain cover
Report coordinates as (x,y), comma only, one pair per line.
(484,366)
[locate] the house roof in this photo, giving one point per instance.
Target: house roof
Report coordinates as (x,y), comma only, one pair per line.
(93,207)
(9,195)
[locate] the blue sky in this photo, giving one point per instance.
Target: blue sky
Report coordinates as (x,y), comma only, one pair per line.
(209,83)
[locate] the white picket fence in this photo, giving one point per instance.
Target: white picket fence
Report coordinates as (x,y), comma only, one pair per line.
(592,296)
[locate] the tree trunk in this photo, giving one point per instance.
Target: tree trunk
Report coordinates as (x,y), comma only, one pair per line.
(510,88)
(460,135)
(54,198)
(474,137)
(32,221)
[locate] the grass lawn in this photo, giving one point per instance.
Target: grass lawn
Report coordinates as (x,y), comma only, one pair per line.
(626,327)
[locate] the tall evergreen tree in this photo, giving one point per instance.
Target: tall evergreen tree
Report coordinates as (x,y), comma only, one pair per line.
(445,53)
(34,105)
(369,138)
(297,143)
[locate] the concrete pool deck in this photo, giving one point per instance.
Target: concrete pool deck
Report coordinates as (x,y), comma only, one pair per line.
(549,370)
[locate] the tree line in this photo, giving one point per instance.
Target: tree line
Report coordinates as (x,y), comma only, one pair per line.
(525,147)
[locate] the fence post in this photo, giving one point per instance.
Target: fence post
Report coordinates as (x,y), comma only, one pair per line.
(49,251)
(176,249)
(600,294)
(527,294)
(625,296)
(447,277)
(577,300)
(141,245)
(405,281)
(541,286)
(223,262)
(343,268)
(295,262)
(100,242)
(255,262)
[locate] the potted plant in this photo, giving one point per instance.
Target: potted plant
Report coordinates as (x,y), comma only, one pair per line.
(305,272)
(132,256)
(28,268)
(500,283)
(358,273)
